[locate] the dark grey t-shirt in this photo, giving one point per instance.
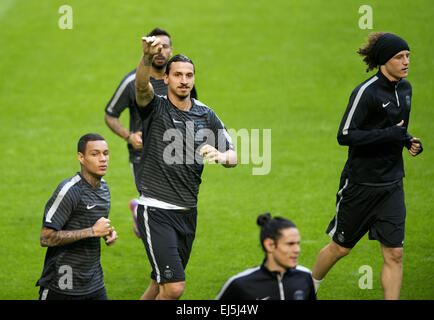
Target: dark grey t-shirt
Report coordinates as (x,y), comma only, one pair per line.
(75,269)
(125,97)
(171,163)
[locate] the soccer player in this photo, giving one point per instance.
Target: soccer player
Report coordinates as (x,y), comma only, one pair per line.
(371,195)
(279,277)
(75,219)
(125,97)
(183,132)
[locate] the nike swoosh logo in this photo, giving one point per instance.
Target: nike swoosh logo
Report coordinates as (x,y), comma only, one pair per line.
(266,298)
(385,104)
(176,121)
(88,207)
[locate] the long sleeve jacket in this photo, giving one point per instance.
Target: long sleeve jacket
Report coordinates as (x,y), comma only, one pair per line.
(369,128)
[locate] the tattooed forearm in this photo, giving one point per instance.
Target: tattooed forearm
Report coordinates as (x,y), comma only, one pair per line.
(144,95)
(144,90)
(52,238)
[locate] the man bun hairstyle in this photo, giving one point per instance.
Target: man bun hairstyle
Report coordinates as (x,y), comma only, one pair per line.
(380,48)
(263,219)
(82,142)
(271,227)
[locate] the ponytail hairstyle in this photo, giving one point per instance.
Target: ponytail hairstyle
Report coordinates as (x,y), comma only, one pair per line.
(271,227)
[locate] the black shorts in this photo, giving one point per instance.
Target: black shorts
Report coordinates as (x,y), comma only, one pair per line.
(362,208)
(168,238)
(47,294)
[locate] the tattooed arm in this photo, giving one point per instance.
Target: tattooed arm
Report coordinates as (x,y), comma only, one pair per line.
(151,46)
(115,124)
(53,238)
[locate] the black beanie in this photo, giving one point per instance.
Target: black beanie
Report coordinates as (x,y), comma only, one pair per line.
(387,46)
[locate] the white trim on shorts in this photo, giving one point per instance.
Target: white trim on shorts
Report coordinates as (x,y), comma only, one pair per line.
(44,294)
(332,232)
(149,241)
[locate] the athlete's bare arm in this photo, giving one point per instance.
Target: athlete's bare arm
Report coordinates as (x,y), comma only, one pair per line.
(144,91)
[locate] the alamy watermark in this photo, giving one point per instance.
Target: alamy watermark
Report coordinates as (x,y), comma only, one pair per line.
(186,150)
(366,21)
(365,281)
(66,19)
(249,148)
(65,281)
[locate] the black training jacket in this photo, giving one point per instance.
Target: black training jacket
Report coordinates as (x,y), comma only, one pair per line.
(259,283)
(369,128)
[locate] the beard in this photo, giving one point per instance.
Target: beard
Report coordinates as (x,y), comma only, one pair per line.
(161,65)
(182,95)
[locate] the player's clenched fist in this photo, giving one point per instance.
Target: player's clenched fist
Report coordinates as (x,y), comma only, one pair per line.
(101,228)
(210,154)
(151,46)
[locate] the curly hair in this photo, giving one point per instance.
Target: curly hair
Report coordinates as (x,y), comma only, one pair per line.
(367,50)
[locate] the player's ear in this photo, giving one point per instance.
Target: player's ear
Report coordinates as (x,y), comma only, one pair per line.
(269,245)
(80,157)
(166,78)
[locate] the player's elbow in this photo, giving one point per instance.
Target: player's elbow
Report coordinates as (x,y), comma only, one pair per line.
(108,119)
(144,97)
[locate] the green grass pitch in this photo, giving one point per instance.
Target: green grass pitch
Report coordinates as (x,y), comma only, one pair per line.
(288,66)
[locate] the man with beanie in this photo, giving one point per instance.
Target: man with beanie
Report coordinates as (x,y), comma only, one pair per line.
(371,194)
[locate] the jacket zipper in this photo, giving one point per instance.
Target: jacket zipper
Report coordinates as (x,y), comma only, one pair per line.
(396,94)
(281,292)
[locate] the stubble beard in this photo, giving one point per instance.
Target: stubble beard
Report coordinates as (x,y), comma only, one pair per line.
(159,66)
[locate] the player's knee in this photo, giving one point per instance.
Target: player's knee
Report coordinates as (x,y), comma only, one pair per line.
(393,255)
(173,290)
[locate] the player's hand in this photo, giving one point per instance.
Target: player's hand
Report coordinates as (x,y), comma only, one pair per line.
(111,238)
(398,132)
(151,46)
(415,148)
(101,228)
(136,140)
(210,154)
